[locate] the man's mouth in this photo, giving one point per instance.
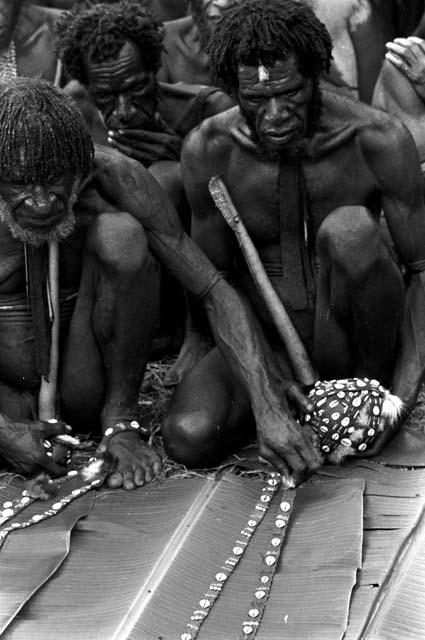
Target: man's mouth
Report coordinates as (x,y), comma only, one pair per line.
(40,223)
(279,136)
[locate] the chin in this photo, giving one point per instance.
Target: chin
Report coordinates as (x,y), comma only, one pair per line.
(280,151)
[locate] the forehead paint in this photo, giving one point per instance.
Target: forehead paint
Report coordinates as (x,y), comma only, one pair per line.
(263,74)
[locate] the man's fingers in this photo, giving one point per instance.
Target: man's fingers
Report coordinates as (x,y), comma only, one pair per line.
(55,428)
(419,41)
(295,462)
(52,467)
(297,397)
(275,460)
(395,60)
(310,449)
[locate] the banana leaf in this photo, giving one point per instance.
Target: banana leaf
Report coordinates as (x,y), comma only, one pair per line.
(142,560)
(29,557)
(387,602)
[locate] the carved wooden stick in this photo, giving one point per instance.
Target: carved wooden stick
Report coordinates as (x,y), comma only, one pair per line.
(300,362)
(48,389)
(47,395)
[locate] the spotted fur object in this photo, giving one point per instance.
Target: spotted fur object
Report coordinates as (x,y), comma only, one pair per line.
(349,414)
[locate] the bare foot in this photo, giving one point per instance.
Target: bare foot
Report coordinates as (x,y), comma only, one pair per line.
(193,349)
(136,462)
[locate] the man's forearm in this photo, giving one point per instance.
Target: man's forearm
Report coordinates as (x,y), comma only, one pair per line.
(241,341)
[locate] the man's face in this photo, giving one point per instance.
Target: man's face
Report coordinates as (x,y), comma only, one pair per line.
(40,211)
(124,90)
(276,102)
(9,14)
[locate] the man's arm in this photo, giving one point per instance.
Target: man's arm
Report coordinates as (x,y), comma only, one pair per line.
(392,156)
(237,333)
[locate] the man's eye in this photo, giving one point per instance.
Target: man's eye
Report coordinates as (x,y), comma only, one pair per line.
(53,179)
(139,90)
(103,98)
(292,92)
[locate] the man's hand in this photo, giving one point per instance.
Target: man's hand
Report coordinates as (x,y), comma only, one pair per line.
(22,445)
(146,146)
(135,461)
(290,447)
(408,55)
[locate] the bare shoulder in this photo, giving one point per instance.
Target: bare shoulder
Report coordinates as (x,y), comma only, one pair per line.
(177,29)
(381,131)
(211,142)
(123,178)
(372,127)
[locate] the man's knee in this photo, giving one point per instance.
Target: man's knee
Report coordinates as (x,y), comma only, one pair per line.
(349,238)
(191,438)
(118,241)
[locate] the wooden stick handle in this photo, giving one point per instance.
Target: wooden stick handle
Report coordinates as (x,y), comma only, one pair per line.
(48,389)
(298,356)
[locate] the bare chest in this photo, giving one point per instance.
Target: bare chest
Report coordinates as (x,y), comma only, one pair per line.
(12,261)
(261,189)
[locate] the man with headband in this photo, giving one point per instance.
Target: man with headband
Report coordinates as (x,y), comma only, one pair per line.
(308,171)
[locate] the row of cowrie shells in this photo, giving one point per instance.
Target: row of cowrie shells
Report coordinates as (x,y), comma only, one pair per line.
(11,508)
(268,568)
(332,439)
(54,509)
(207,601)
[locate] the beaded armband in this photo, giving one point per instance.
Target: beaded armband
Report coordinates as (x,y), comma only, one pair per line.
(121,427)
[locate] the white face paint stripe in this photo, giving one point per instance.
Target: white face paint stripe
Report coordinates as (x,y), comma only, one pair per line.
(263,73)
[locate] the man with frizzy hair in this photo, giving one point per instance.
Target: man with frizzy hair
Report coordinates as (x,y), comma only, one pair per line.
(114,52)
(112,222)
(309,172)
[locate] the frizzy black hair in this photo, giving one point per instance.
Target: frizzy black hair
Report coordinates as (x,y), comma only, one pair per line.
(260,30)
(42,132)
(99,32)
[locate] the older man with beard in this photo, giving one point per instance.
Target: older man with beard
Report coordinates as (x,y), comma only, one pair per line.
(111,218)
(107,277)
(309,172)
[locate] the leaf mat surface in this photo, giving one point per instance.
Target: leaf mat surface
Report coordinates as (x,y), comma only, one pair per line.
(113,553)
(31,556)
(143,559)
(394,504)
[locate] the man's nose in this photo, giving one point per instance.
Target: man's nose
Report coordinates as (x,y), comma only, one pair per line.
(276,111)
(40,200)
(124,110)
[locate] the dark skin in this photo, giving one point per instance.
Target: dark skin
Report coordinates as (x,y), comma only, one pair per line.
(123,90)
(102,366)
(351,171)
(33,37)
(135,110)
(401,86)
(184,58)
(106,327)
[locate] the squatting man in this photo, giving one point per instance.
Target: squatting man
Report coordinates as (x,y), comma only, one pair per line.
(113,222)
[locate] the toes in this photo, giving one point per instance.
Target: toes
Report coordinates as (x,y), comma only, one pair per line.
(139,477)
(115,480)
(128,479)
